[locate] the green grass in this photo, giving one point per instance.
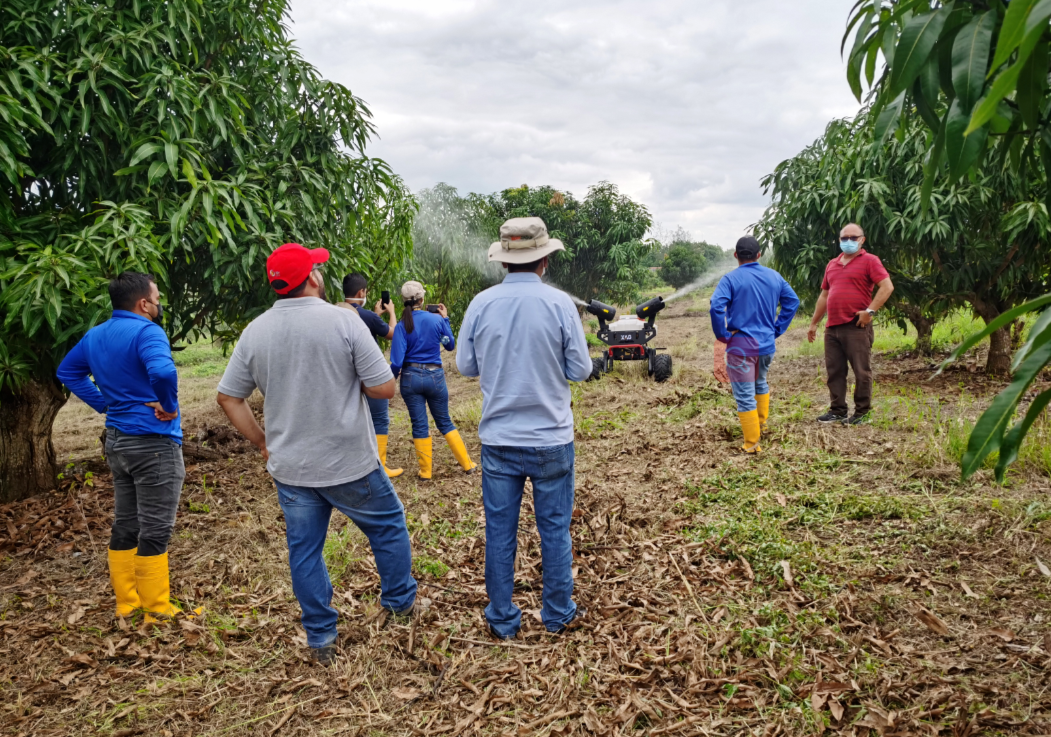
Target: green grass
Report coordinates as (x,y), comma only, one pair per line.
(889,338)
(339,553)
(428,566)
(202,358)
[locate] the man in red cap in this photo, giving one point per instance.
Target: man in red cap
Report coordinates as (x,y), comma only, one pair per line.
(313,362)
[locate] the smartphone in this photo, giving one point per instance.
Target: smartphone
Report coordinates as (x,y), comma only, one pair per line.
(432,308)
(385,297)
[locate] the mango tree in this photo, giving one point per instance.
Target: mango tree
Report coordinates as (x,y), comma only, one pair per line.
(975,71)
(181,138)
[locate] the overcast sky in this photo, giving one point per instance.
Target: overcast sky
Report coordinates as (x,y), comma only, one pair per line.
(683,104)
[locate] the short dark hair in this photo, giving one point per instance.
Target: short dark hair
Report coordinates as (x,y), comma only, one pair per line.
(354,283)
(292,293)
(128,288)
(531,266)
(748,248)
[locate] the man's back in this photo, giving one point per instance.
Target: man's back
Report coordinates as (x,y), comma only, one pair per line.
(747,298)
(130,359)
(525,340)
(309,359)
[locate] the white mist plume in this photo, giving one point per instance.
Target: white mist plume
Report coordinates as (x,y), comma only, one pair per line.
(704,280)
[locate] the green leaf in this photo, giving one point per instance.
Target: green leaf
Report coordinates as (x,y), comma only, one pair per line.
(924,107)
(929,81)
(171,153)
(146,149)
(1011,32)
(988,433)
(961,149)
(187,172)
(914,47)
(1003,320)
(888,119)
(1012,442)
(970,59)
(1039,334)
(1032,86)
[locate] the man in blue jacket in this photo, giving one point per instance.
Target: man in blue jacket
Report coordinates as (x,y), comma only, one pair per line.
(745,318)
(137,387)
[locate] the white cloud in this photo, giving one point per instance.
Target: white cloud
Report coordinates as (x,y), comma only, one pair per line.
(685,105)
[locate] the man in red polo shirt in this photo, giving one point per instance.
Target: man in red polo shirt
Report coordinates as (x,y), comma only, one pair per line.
(846,294)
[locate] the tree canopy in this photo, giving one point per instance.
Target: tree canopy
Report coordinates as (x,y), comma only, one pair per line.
(179,138)
(975,245)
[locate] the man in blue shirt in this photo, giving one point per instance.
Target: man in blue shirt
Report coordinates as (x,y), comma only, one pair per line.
(137,387)
(526,342)
(355,292)
(745,318)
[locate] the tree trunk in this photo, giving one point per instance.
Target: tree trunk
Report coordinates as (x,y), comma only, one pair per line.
(27,455)
(999,361)
(924,329)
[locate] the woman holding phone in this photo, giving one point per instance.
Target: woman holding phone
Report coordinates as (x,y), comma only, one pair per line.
(415,354)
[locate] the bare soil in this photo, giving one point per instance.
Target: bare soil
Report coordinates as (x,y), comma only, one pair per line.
(844,581)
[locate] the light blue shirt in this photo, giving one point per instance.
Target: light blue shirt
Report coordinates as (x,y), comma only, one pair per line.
(526,342)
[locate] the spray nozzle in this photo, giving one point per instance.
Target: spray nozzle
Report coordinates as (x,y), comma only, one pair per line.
(647,310)
(602,311)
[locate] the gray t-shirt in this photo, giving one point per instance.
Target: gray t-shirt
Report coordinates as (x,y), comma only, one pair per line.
(309,359)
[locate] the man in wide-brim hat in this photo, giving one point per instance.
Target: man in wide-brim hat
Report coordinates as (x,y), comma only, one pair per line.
(526,342)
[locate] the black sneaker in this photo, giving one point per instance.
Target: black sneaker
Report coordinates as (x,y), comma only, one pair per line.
(829,417)
(856,419)
(492,633)
(323,655)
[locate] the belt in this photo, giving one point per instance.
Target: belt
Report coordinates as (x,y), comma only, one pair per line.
(121,434)
(428,366)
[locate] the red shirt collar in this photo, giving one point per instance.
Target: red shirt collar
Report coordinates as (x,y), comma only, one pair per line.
(861,252)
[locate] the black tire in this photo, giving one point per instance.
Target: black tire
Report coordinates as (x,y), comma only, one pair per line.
(661,367)
(597,365)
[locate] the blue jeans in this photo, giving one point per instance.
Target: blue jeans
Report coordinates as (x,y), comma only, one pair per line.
(748,378)
(372,505)
(422,388)
(380,416)
(504,471)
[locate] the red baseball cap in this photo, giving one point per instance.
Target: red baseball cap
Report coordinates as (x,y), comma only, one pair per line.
(292,264)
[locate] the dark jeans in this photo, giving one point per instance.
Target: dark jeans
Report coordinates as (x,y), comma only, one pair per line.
(422,388)
(148,472)
(504,472)
(849,344)
(373,506)
(378,408)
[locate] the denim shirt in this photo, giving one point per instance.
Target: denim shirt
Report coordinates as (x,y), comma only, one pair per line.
(526,342)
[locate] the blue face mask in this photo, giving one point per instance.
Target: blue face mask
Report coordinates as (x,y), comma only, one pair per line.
(849,246)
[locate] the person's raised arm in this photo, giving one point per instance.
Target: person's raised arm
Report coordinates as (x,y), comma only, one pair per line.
(398,345)
(789,306)
(448,339)
(242,417)
(392,318)
(819,314)
(466,358)
(156,355)
(74,372)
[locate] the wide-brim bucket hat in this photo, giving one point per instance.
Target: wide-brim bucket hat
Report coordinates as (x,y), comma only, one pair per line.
(522,241)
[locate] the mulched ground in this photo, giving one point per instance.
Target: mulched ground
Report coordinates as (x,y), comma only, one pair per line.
(844,582)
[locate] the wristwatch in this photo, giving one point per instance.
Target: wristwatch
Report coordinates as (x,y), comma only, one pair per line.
(871,312)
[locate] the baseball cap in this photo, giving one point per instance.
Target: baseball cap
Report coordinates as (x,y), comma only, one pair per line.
(290,265)
(747,247)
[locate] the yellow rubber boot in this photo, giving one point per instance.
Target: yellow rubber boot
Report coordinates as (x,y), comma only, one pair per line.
(459,451)
(762,402)
(423,456)
(381,443)
(750,426)
(122,579)
(151,576)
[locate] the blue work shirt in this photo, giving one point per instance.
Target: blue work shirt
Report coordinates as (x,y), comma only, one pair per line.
(745,304)
(131,360)
(525,339)
(430,331)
